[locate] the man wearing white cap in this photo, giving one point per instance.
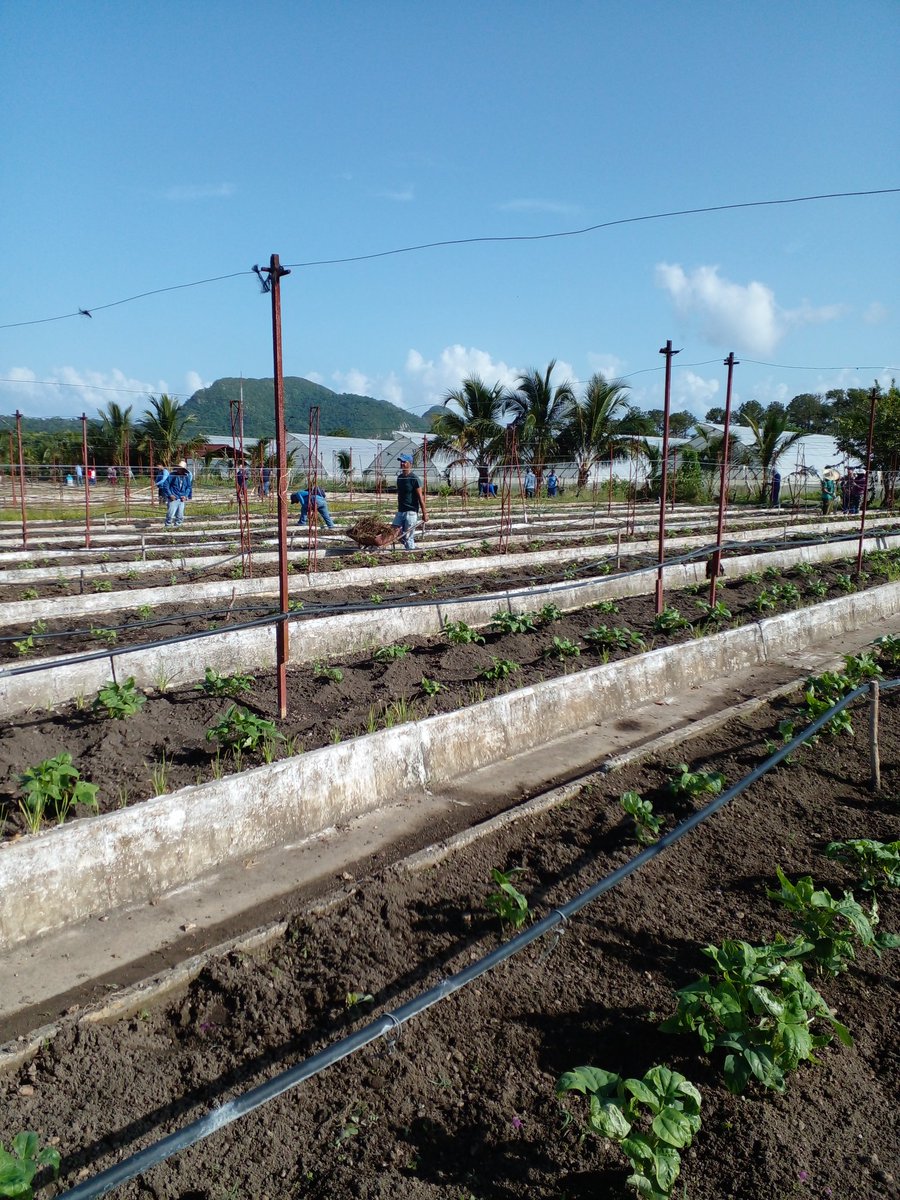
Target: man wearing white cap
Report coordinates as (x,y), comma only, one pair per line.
(410,502)
(176,488)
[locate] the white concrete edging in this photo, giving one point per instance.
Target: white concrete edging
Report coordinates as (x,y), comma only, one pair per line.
(89,866)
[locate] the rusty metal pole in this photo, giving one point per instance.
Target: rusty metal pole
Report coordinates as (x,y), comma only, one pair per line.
(152,488)
(868,468)
(127,478)
(669,353)
(425,464)
(730,362)
(87,484)
(22,479)
(12,469)
(275,272)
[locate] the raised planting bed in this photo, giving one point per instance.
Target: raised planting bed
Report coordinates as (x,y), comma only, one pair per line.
(461,1101)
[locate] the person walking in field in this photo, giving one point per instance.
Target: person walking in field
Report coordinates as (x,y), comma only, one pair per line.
(319,505)
(410,502)
(828,495)
(552,483)
(530,484)
(177,488)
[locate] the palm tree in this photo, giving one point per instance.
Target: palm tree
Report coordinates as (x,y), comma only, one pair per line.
(472,433)
(114,433)
(770,440)
(590,435)
(540,412)
(167,429)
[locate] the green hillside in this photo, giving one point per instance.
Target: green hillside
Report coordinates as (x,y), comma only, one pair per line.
(359,416)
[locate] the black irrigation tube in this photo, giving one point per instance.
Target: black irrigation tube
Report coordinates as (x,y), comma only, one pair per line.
(388,1023)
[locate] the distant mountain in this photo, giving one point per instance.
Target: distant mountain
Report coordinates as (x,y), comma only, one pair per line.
(360,416)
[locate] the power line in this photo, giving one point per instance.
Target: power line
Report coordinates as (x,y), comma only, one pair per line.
(89,310)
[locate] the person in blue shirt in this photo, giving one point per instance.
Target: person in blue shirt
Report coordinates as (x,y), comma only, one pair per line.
(552,483)
(320,506)
(159,482)
(177,488)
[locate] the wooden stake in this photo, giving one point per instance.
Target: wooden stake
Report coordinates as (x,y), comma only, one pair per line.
(874,755)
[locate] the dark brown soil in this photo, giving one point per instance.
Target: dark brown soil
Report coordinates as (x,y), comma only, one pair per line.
(171,728)
(460,1103)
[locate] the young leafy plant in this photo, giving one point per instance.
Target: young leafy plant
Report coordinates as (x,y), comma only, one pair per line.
(390,653)
(53,785)
(458,633)
(829,926)
(604,637)
(109,636)
(650,1119)
(120,700)
(238,730)
(510,905)
(877,862)
(548,613)
(717,613)
(331,674)
(501,668)
(24,646)
(646,825)
(669,620)
(760,1008)
(562,648)
(431,687)
(686,784)
(20,1164)
(608,608)
(510,622)
(230,686)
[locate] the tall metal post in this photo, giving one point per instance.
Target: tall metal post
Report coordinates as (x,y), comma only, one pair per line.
(868,468)
(312,483)
(22,479)
(153,496)
(127,470)
(425,464)
(87,483)
(12,469)
(275,273)
(663,483)
(730,362)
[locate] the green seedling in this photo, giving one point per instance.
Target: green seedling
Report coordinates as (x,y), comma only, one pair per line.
(390,653)
(753,577)
(145,611)
(458,633)
(760,1008)
(38,628)
(353,998)
(501,668)
(120,700)
(805,569)
(861,668)
(844,583)
(295,605)
(686,784)
(102,585)
(771,573)
(605,637)
(509,904)
(549,613)
(231,686)
(30,594)
(830,927)
(330,674)
(817,587)
(238,730)
(54,785)
(20,1164)
(716,613)
(646,825)
(376,598)
(109,636)
(608,608)
(562,648)
(669,620)
(25,646)
(159,776)
(764,602)
(887,648)
(510,622)
(877,862)
(787,593)
(431,687)
(650,1119)
(399,713)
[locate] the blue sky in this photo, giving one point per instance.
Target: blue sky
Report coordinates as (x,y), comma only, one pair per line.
(148,146)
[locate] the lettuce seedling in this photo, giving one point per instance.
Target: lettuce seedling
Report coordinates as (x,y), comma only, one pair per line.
(19,1165)
(650,1119)
(831,926)
(53,785)
(458,633)
(231,686)
(562,648)
(238,730)
(878,862)
(510,622)
(510,905)
(501,668)
(687,784)
(760,1008)
(646,825)
(669,620)
(120,700)
(390,653)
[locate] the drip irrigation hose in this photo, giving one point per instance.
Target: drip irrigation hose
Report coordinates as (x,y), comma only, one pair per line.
(389,1022)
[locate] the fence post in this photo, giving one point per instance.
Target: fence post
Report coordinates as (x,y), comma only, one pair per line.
(874,755)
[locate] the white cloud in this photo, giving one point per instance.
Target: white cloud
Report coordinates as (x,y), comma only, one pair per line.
(194,381)
(404,196)
(744,317)
(555,207)
(431,379)
(609,365)
(68,392)
(693,393)
(876,313)
(199,191)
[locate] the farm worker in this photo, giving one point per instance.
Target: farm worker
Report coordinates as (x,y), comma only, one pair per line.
(857,491)
(410,502)
(530,484)
(552,483)
(319,505)
(159,482)
(79,474)
(775,497)
(178,488)
(828,494)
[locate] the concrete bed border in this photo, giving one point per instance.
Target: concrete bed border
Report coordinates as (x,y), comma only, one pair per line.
(326,638)
(93,865)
